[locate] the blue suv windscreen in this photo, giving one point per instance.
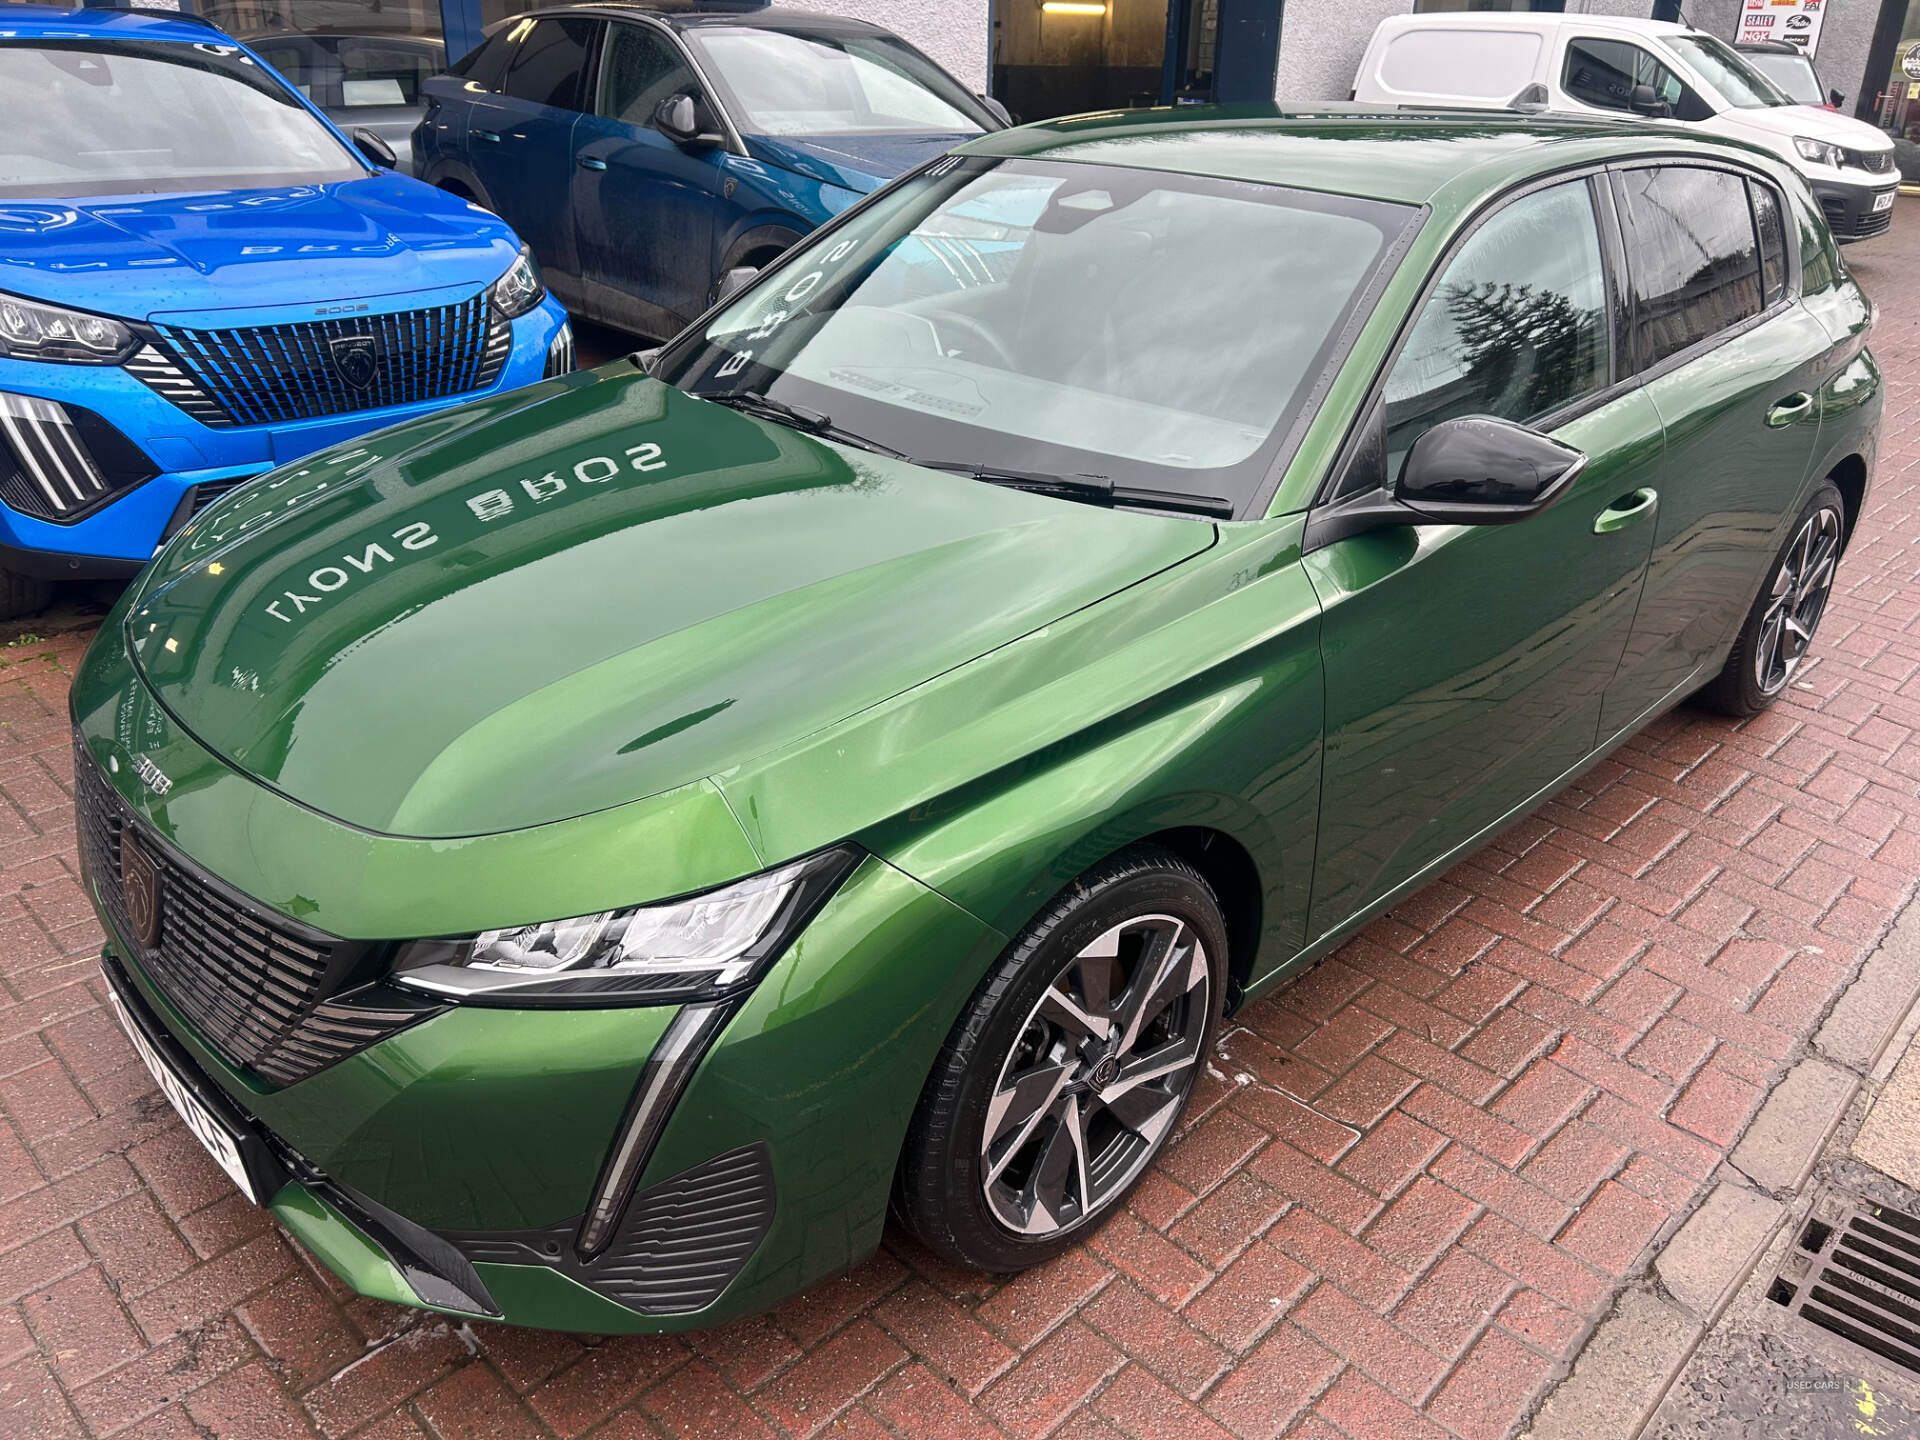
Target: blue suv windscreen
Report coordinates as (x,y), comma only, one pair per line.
(784,82)
(145,117)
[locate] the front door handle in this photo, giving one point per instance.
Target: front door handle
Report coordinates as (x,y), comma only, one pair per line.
(591,162)
(1785,412)
(490,136)
(1624,511)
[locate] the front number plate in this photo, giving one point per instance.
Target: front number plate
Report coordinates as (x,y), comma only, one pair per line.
(206,1128)
(1883,202)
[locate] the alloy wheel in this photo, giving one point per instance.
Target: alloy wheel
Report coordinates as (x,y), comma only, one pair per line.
(1796,601)
(1097,1075)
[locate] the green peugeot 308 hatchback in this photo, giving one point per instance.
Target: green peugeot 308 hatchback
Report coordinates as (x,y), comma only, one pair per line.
(583,857)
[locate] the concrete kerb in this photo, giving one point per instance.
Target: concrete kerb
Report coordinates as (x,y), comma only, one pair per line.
(1633,1355)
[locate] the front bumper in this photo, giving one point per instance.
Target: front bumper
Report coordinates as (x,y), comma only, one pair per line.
(196,461)
(481,1133)
(1857,211)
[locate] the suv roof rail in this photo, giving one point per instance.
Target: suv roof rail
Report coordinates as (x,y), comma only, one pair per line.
(186,17)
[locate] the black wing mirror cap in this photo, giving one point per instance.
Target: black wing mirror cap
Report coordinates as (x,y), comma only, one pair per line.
(374,148)
(1836,98)
(679,118)
(1646,101)
(1478,470)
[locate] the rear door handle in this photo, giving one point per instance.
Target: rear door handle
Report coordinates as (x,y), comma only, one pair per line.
(490,136)
(591,162)
(1624,511)
(1785,412)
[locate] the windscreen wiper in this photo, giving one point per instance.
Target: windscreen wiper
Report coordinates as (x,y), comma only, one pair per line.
(799,417)
(1097,489)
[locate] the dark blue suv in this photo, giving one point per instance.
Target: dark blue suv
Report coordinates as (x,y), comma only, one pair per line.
(646,151)
(200,278)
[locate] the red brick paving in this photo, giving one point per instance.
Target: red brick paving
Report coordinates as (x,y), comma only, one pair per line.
(1413,1182)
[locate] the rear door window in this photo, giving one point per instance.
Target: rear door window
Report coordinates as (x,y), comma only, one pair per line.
(1693,255)
(1516,328)
(1605,73)
(551,65)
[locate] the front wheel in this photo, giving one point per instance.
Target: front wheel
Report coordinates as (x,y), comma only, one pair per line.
(1070,1067)
(1779,629)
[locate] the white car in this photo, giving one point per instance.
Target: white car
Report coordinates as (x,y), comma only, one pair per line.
(1602,65)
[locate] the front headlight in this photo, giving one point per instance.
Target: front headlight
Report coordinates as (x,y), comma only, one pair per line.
(700,948)
(32,331)
(1818,151)
(520,289)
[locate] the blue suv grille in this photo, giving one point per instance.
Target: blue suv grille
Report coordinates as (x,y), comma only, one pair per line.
(271,374)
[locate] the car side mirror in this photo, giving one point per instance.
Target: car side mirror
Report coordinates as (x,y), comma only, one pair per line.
(1481,471)
(734,281)
(1472,471)
(1645,100)
(374,148)
(1836,98)
(679,119)
(998,111)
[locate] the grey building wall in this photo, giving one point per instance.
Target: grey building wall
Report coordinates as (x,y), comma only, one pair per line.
(953,32)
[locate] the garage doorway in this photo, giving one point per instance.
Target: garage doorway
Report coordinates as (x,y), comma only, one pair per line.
(1065,57)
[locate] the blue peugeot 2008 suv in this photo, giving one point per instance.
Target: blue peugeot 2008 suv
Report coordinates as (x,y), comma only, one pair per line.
(200,278)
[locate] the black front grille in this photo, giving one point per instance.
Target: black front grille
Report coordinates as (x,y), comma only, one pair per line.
(1874,162)
(256,986)
(271,374)
(1863,226)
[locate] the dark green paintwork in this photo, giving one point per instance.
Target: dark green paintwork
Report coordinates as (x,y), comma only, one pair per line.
(656,682)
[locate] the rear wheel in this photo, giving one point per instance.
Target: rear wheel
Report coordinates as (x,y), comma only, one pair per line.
(21,596)
(1779,629)
(1070,1068)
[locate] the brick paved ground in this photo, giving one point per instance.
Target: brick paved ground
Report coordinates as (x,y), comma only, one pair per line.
(1414,1182)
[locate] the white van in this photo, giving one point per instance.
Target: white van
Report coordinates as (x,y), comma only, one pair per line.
(1602,65)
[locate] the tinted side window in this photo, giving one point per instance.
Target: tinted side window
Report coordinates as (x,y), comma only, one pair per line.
(1516,328)
(487,65)
(643,68)
(1691,248)
(1773,240)
(550,68)
(1604,73)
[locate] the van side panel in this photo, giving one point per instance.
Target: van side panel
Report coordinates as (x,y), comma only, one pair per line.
(1438,66)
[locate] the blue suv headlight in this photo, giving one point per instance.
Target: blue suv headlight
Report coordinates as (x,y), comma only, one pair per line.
(520,289)
(32,331)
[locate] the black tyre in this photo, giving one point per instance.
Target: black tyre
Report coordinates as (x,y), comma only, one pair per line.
(1070,1067)
(1779,628)
(21,596)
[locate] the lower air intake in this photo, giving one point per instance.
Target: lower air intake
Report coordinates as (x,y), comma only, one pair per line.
(680,1245)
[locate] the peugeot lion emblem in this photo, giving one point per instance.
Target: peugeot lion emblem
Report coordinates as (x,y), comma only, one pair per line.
(141,883)
(354,359)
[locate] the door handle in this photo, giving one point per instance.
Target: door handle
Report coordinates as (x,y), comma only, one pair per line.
(492,137)
(591,162)
(1785,412)
(1624,511)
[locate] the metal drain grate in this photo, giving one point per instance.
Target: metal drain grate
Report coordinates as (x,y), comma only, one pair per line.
(1855,1272)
